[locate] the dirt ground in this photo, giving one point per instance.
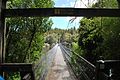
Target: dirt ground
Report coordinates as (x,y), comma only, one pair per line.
(58,70)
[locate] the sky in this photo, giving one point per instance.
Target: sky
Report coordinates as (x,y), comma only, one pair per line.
(62,22)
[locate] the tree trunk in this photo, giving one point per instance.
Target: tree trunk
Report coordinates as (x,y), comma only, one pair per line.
(29,45)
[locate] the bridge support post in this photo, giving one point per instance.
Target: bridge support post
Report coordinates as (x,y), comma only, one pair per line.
(2,33)
(99,67)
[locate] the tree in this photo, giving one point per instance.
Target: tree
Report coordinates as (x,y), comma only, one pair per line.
(25,34)
(118,3)
(90,37)
(100,36)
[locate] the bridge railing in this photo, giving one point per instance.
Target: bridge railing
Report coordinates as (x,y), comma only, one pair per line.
(82,69)
(42,67)
(29,71)
(25,70)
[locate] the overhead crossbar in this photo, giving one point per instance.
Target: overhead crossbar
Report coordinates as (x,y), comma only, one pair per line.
(54,12)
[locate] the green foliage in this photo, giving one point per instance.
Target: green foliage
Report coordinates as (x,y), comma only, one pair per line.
(100,39)
(50,40)
(25,35)
(106,4)
(100,36)
(52,36)
(30,3)
(111,34)
(76,48)
(90,37)
(14,76)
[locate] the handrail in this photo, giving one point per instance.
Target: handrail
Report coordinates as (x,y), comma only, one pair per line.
(81,57)
(41,68)
(23,68)
(82,64)
(84,59)
(68,63)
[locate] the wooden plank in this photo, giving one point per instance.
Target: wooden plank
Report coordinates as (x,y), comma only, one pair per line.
(23,68)
(88,12)
(16,67)
(2,31)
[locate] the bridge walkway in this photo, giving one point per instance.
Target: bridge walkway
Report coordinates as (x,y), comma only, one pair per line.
(59,69)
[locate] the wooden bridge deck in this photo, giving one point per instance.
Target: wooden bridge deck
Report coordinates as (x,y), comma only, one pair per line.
(59,69)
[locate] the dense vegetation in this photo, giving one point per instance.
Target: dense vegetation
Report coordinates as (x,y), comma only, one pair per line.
(25,34)
(99,36)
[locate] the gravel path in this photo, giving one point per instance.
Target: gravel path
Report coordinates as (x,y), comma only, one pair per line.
(58,70)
